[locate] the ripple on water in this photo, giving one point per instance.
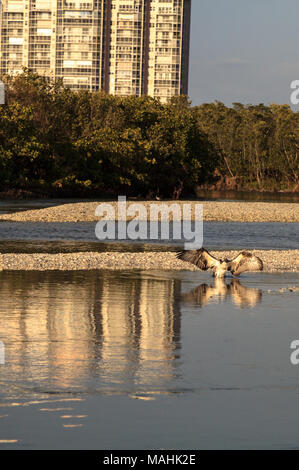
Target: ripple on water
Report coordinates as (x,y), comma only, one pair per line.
(90,352)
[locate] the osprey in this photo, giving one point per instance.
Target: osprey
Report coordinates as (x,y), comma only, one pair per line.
(202,259)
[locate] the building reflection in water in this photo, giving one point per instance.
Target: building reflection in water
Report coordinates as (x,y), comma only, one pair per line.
(83,330)
(98,331)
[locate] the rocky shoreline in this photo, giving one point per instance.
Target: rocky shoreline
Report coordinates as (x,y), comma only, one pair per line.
(220,211)
(226,211)
(274,261)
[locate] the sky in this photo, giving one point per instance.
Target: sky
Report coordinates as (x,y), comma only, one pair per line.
(244,51)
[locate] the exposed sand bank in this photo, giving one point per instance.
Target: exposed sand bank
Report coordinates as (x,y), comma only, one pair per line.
(226,211)
(274,261)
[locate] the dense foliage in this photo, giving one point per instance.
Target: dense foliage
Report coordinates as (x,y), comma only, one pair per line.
(257,146)
(54,141)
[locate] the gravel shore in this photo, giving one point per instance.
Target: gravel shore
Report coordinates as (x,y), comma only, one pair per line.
(274,261)
(227,211)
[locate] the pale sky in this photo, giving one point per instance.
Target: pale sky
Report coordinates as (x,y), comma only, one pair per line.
(244,51)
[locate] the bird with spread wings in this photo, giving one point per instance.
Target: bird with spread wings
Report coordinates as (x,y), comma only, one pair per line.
(244,261)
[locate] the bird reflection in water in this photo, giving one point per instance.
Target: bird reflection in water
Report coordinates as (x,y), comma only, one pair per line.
(220,291)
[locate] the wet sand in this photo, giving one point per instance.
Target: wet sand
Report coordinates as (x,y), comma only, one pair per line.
(274,261)
(226,211)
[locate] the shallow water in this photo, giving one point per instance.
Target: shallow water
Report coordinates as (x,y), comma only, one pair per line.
(247,196)
(148,360)
(80,236)
(10,205)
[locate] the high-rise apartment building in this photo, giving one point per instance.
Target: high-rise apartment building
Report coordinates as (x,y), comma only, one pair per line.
(126,47)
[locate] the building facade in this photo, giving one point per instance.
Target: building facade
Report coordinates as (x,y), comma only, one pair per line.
(125,47)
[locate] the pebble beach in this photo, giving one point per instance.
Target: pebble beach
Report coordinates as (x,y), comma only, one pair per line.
(212,211)
(274,261)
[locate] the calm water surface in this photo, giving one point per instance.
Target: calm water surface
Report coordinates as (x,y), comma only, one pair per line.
(18,237)
(8,205)
(148,360)
(69,237)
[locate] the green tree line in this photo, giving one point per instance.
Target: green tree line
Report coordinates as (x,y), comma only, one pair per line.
(57,142)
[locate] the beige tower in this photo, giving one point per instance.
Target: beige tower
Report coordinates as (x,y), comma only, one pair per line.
(79,43)
(57,38)
(126,47)
(168,61)
(12,41)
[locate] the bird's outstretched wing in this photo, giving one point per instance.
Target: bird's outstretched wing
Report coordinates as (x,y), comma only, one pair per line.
(201,258)
(245,262)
